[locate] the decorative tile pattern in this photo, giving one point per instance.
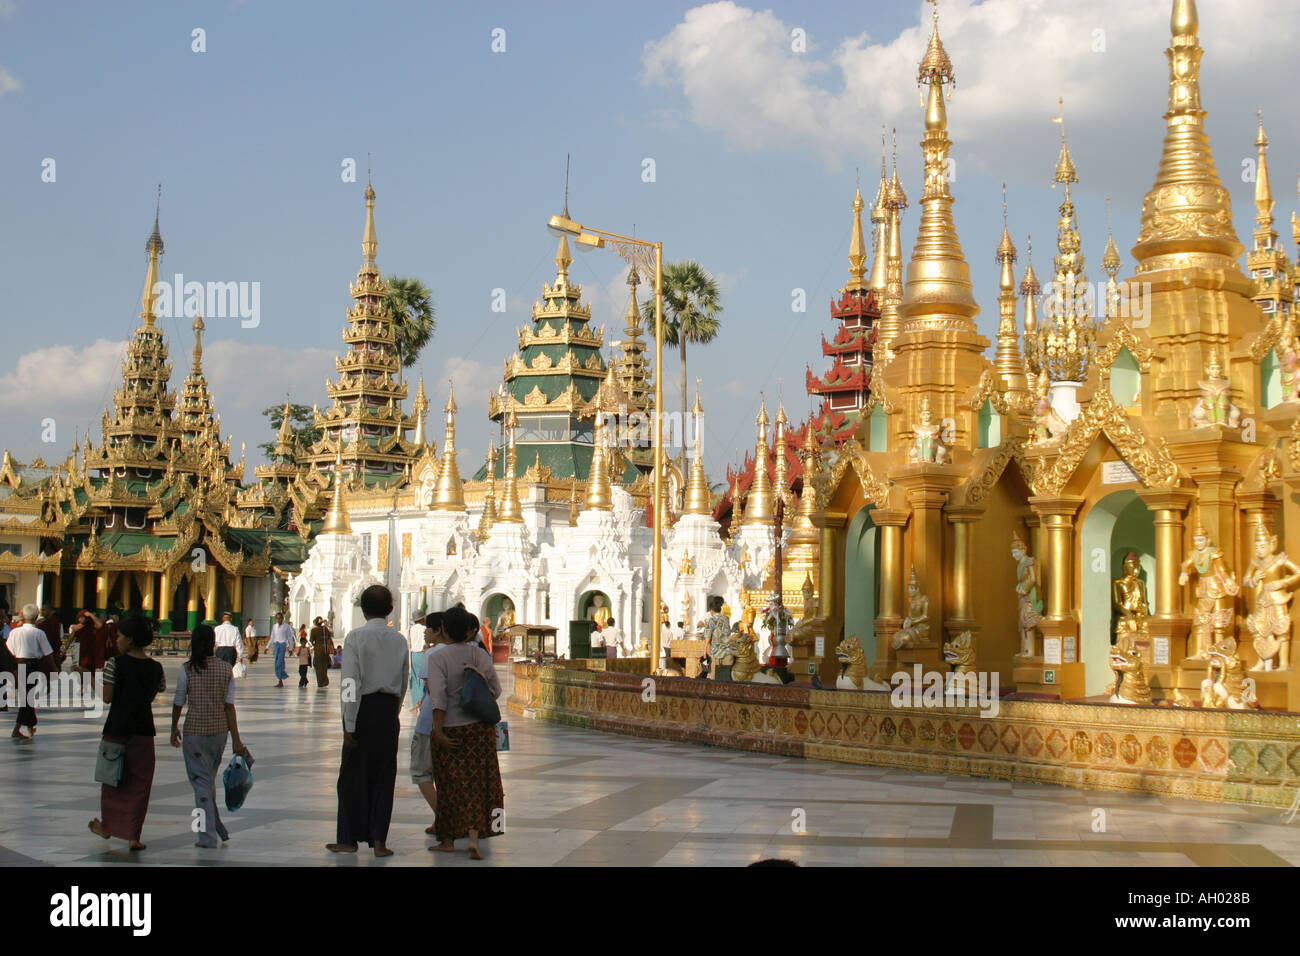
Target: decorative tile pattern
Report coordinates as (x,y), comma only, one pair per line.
(1250,757)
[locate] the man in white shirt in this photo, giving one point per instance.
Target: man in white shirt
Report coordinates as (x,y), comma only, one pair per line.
(376,667)
(434,640)
(282,638)
(31,648)
(230,644)
(612,638)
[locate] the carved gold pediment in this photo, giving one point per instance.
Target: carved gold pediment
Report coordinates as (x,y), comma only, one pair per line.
(535,398)
(1146,454)
(852,455)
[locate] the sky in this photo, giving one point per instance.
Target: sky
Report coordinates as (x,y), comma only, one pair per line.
(731,133)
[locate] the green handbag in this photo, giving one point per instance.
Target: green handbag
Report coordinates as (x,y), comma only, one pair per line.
(108,764)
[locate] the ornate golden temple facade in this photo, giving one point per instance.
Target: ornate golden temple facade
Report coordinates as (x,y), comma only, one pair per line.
(1161,425)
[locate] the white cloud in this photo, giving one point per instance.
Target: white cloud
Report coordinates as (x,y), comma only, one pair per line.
(739,77)
(8,82)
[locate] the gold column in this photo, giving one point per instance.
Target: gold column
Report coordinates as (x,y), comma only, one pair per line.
(1056,565)
(831,587)
(192,594)
(890,521)
(165,595)
(146,589)
(237,594)
(101,590)
(210,593)
(959,579)
(78,589)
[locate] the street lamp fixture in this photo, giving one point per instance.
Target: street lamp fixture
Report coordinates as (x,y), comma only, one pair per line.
(647,257)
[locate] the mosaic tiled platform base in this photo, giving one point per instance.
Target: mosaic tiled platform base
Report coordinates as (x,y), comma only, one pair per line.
(1240,757)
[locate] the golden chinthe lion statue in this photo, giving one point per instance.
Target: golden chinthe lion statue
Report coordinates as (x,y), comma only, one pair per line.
(1226,684)
(1131,685)
(747,669)
(853,667)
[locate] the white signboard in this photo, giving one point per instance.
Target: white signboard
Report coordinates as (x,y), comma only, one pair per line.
(1117,473)
(1160,650)
(819,649)
(1071,655)
(1051,650)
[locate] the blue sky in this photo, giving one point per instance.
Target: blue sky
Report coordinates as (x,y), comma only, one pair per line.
(754,147)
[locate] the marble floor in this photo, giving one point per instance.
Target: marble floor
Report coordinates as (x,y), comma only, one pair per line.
(576,797)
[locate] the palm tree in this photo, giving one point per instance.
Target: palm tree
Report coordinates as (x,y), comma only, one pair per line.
(691,308)
(414,318)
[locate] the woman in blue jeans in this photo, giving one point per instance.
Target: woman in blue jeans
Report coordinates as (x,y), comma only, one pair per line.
(207,685)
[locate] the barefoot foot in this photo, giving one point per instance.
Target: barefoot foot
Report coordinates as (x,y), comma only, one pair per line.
(341,847)
(97,828)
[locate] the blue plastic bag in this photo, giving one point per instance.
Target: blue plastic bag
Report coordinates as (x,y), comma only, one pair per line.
(238,780)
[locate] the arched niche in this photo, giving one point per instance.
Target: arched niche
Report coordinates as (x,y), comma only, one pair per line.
(861,581)
(1114,526)
(1125,379)
(990,426)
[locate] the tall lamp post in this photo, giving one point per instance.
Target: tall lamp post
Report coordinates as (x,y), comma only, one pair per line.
(647,256)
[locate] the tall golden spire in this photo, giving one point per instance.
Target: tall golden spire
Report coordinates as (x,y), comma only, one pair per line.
(1187,209)
(736,516)
(938,291)
(697,488)
(421,410)
(879,225)
(779,450)
(598,491)
(895,203)
(758,509)
(449,494)
(1007,359)
(562,262)
(489,516)
(857,250)
(1029,288)
(369,240)
(153,247)
(1068,334)
(511,511)
(336,522)
(1263,190)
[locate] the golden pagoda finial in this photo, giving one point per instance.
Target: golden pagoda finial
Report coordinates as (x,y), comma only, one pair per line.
(598,487)
(1263,189)
(154,248)
(198,327)
(1110,260)
(336,522)
(879,225)
(1007,359)
(938,290)
(1068,335)
(895,203)
(759,511)
(489,515)
(449,495)
(511,512)
(1187,210)
(562,261)
(736,516)
(369,240)
(857,249)
(421,410)
(779,450)
(284,437)
(697,488)
(1029,288)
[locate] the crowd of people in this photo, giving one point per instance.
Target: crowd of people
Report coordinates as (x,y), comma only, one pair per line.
(452,752)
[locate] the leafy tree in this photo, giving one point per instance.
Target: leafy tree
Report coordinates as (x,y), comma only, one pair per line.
(691,307)
(301,423)
(414,316)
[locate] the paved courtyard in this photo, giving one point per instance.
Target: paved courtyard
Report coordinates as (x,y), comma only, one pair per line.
(576,797)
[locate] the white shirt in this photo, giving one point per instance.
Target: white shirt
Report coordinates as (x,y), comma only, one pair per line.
(679,634)
(282,634)
(250,632)
(415,639)
(28,642)
(228,636)
(375,660)
(424,723)
(612,637)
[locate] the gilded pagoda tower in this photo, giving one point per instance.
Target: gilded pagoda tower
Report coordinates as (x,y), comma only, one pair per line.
(844,387)
(551,379)
(365,428)
(1267,262)
(634,379)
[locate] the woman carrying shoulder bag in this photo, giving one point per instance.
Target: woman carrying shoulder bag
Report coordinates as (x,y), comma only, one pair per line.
(465,769)
(132,680)
(207,684)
